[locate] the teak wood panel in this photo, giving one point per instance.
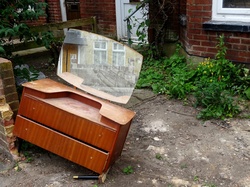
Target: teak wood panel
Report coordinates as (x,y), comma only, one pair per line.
(72,117)
(47,88)
(120,141)
(99,135)
(61,145)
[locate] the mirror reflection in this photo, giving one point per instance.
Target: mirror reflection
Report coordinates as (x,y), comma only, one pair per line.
(99,65)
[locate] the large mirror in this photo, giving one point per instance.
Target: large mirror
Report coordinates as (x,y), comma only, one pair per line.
(98,65)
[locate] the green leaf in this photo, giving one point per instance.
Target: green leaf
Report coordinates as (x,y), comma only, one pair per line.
(247,92)
(2,51)
(9,32)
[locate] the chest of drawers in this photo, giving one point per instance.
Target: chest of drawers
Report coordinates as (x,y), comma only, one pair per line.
(84,129)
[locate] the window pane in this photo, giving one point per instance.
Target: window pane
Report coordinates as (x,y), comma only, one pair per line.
(118,47)
(100,45)
(236,3)
(100,57)
(118,58)
(118,55)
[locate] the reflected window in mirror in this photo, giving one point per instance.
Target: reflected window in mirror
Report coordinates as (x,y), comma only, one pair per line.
(118,54)
(100,52)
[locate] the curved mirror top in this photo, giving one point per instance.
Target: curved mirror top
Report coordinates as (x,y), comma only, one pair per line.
(98,65)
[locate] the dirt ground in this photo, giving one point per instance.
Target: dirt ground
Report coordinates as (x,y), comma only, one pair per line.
(166,147)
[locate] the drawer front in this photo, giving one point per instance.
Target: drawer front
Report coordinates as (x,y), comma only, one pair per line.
(61,145)
(80,128)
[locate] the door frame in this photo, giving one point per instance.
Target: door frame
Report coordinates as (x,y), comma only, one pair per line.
(119,20)
(63,13)
(63,10)
(120,16)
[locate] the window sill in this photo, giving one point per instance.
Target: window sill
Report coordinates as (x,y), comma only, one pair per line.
(231,26)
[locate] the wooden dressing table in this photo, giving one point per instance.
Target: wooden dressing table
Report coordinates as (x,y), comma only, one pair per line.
(71,124)
(82,128)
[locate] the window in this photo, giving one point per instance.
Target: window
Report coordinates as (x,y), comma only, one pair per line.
(118,54)
(231,10)
(100,52)
(236,4)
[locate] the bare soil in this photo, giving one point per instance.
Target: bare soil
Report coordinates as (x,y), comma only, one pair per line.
(166,147)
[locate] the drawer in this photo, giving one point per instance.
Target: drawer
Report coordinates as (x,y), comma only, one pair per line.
(60,144)
(89,131)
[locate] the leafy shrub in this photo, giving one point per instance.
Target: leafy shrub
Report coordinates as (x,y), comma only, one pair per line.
(215,83)
(165,75)
(24,73)
(152,76)
(13,24)
(217,102)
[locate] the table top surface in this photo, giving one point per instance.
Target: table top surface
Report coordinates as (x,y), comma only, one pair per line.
(109,110)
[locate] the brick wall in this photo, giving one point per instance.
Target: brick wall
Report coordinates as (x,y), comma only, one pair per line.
(202,43)
(164,22)
(8,108)
(54,11)
(104,12)
(8,82)
(41,20)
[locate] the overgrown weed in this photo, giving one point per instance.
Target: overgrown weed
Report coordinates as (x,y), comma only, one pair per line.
(216,84)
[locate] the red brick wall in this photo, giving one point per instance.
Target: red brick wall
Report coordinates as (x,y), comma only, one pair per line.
(183,6)
(104,12)
(54,11)
(7,84)
(41,20)
(164,21)
(202,43)
(8,106)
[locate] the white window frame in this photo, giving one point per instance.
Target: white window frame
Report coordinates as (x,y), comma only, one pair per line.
(229,14)
(99,49)
(118,51)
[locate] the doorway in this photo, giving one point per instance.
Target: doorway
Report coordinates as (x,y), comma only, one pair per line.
(123,9)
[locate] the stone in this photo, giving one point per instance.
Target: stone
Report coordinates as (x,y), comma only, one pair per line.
(1,88)
(12,145)
(8,122)
(9,130)
(5,64)
(2,100)
(11,139)
(6,112)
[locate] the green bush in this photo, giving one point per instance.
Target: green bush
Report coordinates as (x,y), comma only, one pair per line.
(13,24)
(215,83)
